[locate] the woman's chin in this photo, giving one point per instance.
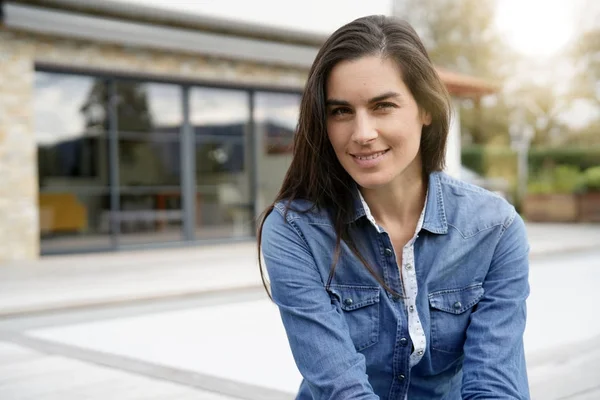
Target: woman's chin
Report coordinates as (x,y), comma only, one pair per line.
(371,182)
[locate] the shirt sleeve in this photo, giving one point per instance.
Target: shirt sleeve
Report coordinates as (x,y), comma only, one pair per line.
(494,365)
(317,333)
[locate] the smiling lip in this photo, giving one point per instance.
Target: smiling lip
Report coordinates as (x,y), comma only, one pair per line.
(369,160)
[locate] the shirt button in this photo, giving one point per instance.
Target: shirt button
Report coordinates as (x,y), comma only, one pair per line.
(403,341)
(457,305)
(348,302)
(420,352)
(411,308)
(409,266)
(401,377)
(388,252)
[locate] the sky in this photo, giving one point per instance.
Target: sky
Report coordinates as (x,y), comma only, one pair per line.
(315,16)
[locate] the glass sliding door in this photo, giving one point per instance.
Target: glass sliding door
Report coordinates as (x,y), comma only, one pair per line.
(275,120)
(219,121)
(149,122)
(73,161)
(115,157)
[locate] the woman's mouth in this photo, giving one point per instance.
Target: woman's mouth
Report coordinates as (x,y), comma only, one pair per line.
(369,160)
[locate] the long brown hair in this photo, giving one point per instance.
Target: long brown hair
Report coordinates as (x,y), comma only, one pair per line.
(315,173)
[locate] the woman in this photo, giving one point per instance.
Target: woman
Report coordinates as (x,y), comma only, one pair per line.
(393,279)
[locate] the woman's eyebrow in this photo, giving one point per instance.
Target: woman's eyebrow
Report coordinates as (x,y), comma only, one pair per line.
(384,96)
(381,97)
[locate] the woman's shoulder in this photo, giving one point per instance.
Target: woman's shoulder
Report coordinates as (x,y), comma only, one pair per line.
(297,211)
(473,207)
(293,222)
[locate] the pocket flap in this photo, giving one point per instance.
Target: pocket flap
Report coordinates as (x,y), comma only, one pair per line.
(352,297)
(456,301)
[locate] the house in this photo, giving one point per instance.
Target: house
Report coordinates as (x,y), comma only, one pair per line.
(124,126)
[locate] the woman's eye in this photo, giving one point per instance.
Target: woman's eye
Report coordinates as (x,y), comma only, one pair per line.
(383,106)
(339,111)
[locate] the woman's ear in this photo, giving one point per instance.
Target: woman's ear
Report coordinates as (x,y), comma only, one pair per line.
(425,118)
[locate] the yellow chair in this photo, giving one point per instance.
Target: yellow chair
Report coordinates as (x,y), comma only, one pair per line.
(61,212)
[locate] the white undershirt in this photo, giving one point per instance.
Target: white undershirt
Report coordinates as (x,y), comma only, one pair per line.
(409,284)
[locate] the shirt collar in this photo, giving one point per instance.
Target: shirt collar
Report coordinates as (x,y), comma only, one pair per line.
(433,216)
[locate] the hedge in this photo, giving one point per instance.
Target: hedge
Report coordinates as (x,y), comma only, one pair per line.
(484,160)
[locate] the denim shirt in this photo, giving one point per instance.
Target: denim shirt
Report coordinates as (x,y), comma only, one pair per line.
(351,340)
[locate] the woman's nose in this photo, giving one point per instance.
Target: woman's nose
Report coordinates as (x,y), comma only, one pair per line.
(364,130)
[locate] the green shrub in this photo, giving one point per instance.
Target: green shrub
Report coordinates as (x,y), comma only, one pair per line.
(591,179)
(563,179)
(480,158)
(472,158)
(540,187)
(582,158)
(567,179)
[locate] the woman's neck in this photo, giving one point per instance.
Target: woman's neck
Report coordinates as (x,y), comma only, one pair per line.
(399,203)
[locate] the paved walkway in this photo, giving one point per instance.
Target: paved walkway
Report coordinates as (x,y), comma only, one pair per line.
(27,374)
(63,282)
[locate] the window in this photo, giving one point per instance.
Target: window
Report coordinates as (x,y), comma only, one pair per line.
(275,119)
(111,160)
(73,174)
(220,120)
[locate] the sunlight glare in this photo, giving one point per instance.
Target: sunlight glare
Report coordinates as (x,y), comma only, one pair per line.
(536,27)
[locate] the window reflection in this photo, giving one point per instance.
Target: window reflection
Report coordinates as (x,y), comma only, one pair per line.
(219,120)
(149,119)
(88,203)
(72,143)
(276,117)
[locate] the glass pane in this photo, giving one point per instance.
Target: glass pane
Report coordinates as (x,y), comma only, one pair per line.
(69,121)
(275,117)
(150,216)
(70,129)
(149,123)
(219,118)
(219,215)
(149,119)
(70,221)
(147,160)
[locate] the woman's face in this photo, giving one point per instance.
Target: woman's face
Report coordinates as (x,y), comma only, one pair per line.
(373,122)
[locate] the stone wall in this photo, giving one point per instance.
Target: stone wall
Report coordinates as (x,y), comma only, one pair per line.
(18,164)
(19,54)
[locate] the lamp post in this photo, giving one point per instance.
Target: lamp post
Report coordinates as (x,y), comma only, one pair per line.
(521,134)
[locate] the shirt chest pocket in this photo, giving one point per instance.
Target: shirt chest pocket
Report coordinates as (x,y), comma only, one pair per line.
(359,306)
(450,311)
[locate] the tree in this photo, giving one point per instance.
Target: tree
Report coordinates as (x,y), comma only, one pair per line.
(460,35)
(543,107)
(132,113)
(585,55)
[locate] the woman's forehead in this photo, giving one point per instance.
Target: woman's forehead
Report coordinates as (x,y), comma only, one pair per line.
(364,79)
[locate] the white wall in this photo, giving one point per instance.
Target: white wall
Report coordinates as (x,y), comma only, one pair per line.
(453,152)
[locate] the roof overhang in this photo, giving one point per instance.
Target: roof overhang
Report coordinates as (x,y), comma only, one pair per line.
(111,30)
(199,36)
(461,85)
(194,21)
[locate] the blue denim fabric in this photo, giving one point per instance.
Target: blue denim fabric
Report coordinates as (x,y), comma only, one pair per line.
(352,341)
